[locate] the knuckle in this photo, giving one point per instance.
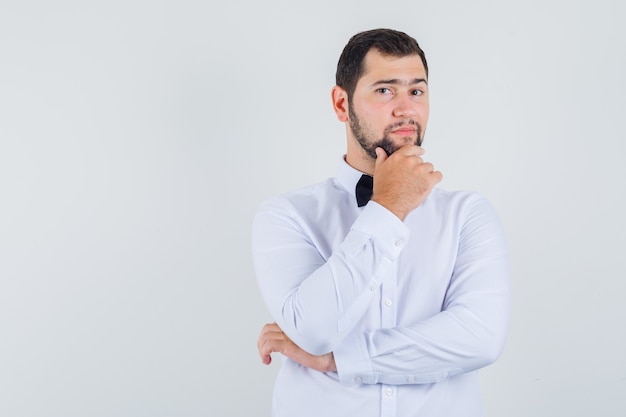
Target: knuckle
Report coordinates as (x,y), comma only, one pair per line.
(269,327)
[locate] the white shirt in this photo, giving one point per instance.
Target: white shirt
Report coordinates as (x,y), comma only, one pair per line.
(410,309)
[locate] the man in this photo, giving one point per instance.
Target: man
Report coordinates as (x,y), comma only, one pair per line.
(387,307)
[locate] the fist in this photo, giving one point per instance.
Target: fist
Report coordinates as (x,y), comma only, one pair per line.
(402,181)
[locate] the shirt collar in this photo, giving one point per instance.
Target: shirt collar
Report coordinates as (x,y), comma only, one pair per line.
(347,176)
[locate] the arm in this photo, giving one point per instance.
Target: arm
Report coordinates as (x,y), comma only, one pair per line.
(317,301)
(468,334)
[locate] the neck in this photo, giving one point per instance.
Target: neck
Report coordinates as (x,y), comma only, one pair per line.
(358,159)
(365,165)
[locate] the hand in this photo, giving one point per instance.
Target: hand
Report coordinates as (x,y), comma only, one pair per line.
(273,339)
(402,181)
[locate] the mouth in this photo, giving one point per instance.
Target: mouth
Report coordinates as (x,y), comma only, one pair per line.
(404,131)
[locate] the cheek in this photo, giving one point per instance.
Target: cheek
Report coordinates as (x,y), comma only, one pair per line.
(423,113)
(375,115)
(375,122)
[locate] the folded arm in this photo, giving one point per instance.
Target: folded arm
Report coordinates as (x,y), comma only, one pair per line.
(467,334)
(317,301)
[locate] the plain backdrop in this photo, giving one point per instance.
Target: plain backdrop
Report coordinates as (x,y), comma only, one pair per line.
(137,139)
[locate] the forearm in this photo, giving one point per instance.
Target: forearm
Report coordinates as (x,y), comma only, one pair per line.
(451,342)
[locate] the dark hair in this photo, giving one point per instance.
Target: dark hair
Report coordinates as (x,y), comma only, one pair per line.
(386,41)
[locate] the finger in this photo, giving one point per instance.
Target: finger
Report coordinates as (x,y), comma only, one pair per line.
(268,332)
(264,331)
(275,342)
(266,354)
(428,167)
(411,150)
(381,156)
(266,347)
(269,328)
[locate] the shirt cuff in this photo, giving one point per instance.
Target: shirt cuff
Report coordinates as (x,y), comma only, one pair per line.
(390,233)
(353,361)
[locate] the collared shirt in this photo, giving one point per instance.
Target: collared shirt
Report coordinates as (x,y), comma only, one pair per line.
(411,310)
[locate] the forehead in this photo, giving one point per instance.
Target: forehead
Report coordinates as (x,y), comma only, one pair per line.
(377,66)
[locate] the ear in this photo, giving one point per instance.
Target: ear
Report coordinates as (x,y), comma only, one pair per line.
(340,103)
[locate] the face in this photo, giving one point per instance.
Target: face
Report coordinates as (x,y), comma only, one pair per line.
(389,107)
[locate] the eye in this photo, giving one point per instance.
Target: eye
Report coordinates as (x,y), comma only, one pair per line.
(383,90)
(417,92)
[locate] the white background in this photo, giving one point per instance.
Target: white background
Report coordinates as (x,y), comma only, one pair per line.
(137,138)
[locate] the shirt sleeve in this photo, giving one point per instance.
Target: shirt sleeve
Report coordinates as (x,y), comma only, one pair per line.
(317,301)
(469,333)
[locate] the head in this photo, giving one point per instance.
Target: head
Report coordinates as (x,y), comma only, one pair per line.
(386,41)
(381,93)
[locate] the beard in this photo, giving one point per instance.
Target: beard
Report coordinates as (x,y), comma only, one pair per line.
(365,137)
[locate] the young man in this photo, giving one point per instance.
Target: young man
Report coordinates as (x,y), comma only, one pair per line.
(384,306)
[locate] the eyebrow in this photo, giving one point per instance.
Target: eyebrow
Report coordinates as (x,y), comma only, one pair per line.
(396,81)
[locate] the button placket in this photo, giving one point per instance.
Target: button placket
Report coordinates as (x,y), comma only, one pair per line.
(388,403)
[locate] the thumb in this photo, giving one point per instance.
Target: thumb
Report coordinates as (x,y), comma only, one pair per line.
(381,156)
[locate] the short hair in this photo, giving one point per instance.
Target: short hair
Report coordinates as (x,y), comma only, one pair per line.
(386,41)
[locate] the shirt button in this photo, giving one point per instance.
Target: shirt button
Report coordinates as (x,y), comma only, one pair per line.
(372,288)
(398,243)
(388,302)
(358,379)
(411,379)
(388,391)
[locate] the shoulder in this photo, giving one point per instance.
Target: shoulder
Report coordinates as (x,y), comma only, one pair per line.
(472,213)
(304,200)
(460,200)
(460,209)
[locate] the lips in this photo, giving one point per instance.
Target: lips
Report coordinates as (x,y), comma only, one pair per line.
(405,131)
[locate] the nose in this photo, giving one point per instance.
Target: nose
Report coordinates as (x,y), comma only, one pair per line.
(404,107)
